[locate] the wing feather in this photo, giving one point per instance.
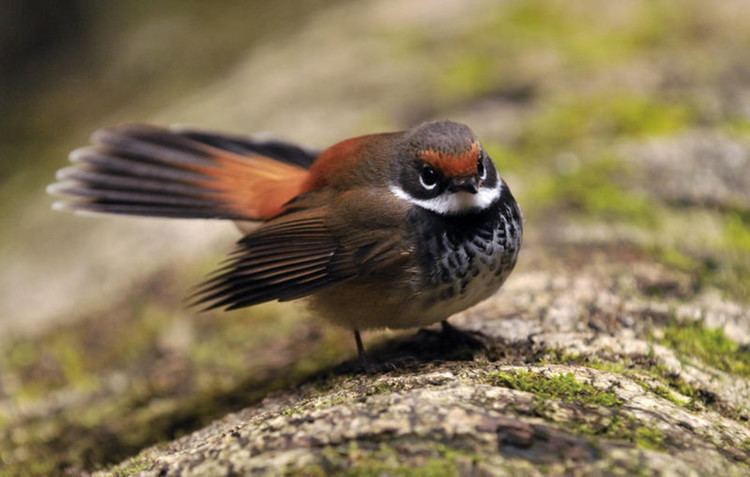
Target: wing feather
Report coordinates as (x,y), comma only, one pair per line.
(293,256)
(284,259)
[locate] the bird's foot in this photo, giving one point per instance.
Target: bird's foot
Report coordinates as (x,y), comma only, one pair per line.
(365,364)
(459,337)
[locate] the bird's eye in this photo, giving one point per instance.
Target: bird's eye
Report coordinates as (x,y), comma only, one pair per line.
(428,177)
(481,170)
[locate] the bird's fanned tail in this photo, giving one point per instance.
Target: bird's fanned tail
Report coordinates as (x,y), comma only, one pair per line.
(149,171)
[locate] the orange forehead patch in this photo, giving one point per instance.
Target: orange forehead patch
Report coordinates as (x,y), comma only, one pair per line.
(453,165)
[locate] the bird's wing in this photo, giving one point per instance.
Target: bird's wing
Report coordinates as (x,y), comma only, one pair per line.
(295,255)
(149,171)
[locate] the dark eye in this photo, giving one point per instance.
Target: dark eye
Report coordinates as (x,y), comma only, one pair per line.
(481,171)
(428,177)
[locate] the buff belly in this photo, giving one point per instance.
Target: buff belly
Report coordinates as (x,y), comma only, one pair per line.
(363,306)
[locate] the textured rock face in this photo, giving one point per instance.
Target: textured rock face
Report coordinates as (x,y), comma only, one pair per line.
(621,343)
(570,377)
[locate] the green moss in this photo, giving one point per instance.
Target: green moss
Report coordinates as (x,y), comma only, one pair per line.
(74,357)
(577,121)
(709,345)
(674,381)
(435,467)
(559,386)
(576,35)
(591,188)
(676,259)
(432,460)
(131,467)
(20,356)
(739,127)
(498,55)
(171,388)
(732,279)
(42,467)
(381,388)
(621,426)
(725,267)
(471,74)
(37,373)
(506,159)
(624,368)
(68,353)
(663,391)
(736,233)
(608,366)
(225,332)
(663,382)
(723,262)
(579,40)
(624,427)
(666,393)
(634,115)
(649,437)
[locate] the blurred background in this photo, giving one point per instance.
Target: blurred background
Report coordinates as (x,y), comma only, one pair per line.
(625,123)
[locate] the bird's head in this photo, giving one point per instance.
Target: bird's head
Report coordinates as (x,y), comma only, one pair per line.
(442,167)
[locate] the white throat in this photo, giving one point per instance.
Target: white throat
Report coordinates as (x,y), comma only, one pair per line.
(454,203)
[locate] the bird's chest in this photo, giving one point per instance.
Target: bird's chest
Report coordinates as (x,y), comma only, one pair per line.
(464,260)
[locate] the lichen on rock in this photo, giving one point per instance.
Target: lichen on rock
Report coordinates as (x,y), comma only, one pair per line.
(583,387)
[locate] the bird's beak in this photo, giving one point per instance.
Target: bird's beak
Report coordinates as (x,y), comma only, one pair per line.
(464,184)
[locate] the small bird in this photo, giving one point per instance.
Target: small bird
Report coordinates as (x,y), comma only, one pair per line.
(389,230)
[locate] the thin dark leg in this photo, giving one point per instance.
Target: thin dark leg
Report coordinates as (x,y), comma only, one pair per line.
(361,350)
(446,327)
(360,346)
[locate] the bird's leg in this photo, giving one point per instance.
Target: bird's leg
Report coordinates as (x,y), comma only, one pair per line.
(447,327)
(363,361)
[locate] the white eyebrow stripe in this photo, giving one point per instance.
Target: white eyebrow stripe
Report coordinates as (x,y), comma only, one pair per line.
(453,203)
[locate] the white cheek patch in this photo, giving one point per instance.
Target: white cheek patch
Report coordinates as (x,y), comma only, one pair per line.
(450,203)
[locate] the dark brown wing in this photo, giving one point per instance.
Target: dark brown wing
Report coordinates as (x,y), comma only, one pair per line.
(293,256)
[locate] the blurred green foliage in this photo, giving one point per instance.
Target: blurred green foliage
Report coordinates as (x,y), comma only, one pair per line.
(602,118)
(594,189)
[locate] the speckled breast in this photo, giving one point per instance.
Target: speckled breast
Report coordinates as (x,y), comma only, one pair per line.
(465,259)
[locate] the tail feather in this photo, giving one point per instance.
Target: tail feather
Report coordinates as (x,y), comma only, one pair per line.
(125,181)
(143,170)
(118,163)
(279,150)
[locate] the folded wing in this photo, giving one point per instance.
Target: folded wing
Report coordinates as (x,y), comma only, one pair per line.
(294,256)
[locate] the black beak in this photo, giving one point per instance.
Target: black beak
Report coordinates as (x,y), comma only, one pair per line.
(464,184)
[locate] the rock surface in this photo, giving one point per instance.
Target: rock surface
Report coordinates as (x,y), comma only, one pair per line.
(572,373)
(620,345)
